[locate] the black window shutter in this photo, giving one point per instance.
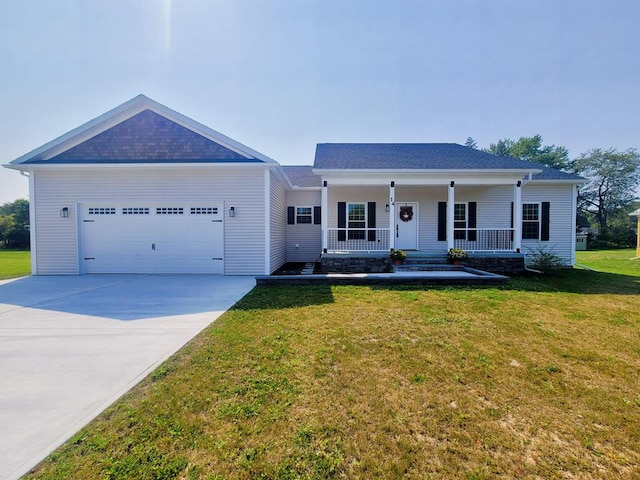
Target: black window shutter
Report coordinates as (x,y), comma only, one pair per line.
(342,221)
(512,210)
(371,221)
(317,217)
(544,233)
(291,215)
(442,221)
(471,221)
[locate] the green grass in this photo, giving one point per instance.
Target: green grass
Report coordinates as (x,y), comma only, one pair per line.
(612,261)
(14,263)
(535,379)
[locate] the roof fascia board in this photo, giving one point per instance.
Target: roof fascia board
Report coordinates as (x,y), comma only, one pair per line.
(281,176)
(434,181)
(412,172)
(558,181)
(501,177)
(125,111)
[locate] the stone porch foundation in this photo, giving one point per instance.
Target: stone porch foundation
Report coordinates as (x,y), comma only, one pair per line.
(501,263)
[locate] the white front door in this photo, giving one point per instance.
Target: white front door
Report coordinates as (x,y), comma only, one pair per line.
(406,225)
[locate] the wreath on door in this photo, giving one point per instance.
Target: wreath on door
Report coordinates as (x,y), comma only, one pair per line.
(406,213)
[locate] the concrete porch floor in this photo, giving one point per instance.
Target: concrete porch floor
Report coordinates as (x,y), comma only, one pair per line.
(452,276)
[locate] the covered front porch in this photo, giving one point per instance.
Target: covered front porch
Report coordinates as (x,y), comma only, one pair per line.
(429,215)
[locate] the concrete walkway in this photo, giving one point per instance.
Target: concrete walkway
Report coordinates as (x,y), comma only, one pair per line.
(70,346)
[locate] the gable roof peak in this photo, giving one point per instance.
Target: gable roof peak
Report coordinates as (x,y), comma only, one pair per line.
(124,112)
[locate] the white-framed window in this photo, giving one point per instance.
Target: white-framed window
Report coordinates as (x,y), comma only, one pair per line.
(304,215)
(530,221)
(460,220)
(356,221)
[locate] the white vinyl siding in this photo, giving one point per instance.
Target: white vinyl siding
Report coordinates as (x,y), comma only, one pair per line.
(562,234)
(304,241)
(380,195)
(278,224)
(57,238)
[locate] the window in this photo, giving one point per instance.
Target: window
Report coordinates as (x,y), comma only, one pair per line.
(304,215)
(460,221)
(204,210)
(356,219)
(530,221)
(135,211)
(102,211)
(169,211)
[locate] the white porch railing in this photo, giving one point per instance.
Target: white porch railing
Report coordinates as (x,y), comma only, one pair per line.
(358,240)
(484,239)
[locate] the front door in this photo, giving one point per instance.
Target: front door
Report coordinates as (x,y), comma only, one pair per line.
(406,225)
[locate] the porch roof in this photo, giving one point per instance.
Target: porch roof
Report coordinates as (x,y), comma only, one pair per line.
(412,156)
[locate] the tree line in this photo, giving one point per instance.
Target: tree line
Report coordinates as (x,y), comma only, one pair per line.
(609,195)
(14,224)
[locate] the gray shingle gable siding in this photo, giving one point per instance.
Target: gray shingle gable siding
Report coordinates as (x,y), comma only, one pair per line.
(147,138)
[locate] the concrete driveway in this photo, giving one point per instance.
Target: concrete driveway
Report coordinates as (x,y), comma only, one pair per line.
(70,346)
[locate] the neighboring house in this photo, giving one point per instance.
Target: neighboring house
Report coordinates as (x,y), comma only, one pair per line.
(143,189)
(637,215)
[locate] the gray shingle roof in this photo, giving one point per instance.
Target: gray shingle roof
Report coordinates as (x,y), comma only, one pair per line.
(395,156)
(549,173)
(422,156)
(302,176)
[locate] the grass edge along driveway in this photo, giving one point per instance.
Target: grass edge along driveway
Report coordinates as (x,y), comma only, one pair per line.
(536,379)
(14,263)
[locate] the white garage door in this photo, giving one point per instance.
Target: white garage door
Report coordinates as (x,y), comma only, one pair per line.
(167,238)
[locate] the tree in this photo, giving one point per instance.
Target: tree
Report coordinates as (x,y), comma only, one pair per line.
(471,143)
(613,177)
(14,224)
(532,150)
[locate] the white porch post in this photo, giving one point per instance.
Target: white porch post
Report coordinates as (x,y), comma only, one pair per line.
(324,216)
(392,215)
(517,216)
(451,198)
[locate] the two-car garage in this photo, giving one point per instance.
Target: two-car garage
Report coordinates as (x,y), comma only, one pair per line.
(152,238)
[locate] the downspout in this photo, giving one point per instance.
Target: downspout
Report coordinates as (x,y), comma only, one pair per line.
(32,220)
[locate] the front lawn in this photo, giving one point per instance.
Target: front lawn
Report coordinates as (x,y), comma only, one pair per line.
(613,261)
(14,263)
(535,379)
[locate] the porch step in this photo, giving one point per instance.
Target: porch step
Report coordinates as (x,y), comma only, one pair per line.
(426,260)
(308,268)
(425,267)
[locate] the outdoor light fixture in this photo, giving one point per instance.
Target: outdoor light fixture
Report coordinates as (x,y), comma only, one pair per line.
(64,212)
(232,211)
(386,207)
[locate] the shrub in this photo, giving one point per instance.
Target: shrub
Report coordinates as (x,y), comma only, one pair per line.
(543,260)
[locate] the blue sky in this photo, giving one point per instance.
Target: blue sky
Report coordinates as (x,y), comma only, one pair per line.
(281,76)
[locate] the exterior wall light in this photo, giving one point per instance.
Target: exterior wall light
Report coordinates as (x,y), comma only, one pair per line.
(386,208)
(64,212)
(232,211)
